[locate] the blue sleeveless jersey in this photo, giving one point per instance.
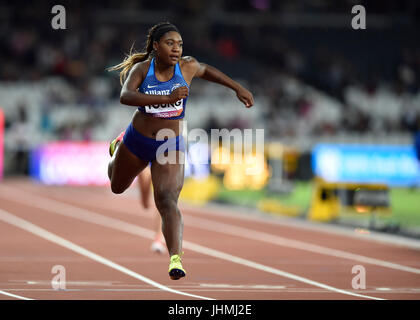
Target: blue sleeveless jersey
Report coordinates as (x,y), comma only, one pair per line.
(151,85)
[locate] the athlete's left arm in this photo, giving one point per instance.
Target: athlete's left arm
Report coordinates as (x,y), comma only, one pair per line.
(209,73)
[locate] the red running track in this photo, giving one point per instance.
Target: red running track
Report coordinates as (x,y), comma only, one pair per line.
(102,240)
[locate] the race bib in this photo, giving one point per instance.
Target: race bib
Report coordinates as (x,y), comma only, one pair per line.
(166,110)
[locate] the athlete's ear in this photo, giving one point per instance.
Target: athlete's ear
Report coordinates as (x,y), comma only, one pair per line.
(155,45)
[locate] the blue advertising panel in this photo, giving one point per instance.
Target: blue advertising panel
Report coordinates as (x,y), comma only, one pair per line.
(387,164)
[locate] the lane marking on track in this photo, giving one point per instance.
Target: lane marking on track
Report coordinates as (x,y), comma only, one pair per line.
(285,242)
(258,266)
(57,207)
(69,283)
(239,286)
(229,229)
(213,209)
(207,290)
(222,289)
(306,225)
(113,285)
(220,210)
(260,217)
(14,295)
(45,234)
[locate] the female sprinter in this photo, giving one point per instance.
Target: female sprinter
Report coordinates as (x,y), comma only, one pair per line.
(157,81)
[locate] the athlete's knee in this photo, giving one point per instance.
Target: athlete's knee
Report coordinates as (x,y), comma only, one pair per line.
(117,188)
(166,201)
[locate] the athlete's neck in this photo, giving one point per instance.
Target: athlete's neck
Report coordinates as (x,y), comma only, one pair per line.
(163,69)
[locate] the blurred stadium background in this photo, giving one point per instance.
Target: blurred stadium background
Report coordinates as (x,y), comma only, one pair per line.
(340,107)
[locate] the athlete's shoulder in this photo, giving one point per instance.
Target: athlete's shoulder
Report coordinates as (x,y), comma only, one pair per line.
(191,66)
(141,67)
(189,61)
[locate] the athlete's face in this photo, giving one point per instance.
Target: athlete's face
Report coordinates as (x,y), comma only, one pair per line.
(169,48)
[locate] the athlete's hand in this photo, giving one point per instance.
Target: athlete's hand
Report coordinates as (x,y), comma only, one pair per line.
(178,94)
(245,97)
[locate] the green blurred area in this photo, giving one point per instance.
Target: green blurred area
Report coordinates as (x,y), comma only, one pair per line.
(405,206)
(300,196)
(405,203)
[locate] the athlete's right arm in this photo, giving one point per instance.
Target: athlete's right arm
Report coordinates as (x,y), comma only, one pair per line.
(132,97)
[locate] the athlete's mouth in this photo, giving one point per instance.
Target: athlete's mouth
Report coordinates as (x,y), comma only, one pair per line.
(174,57)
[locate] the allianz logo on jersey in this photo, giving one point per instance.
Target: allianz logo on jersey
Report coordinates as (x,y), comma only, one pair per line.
(160,92)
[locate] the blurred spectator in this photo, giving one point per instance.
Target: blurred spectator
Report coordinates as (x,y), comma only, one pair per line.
(20,141)
(369,79)
(416,140)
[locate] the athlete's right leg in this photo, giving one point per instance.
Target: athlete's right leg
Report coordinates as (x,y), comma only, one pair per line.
(144,183)
(123,168)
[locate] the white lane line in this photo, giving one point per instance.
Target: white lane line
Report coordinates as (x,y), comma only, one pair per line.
(223,289)
(285,242)
(207,290)
(14,295)
(239,286)
(249,214)
(111,287)
(260,217)
(45,234)
(307,225)
(254,215)
(57,207)
(272,239)
(258,266)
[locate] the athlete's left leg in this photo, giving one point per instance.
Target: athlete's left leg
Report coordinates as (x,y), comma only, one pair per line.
(168,180)
(146,200)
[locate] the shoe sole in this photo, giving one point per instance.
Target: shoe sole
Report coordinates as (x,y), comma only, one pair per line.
(176,274)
